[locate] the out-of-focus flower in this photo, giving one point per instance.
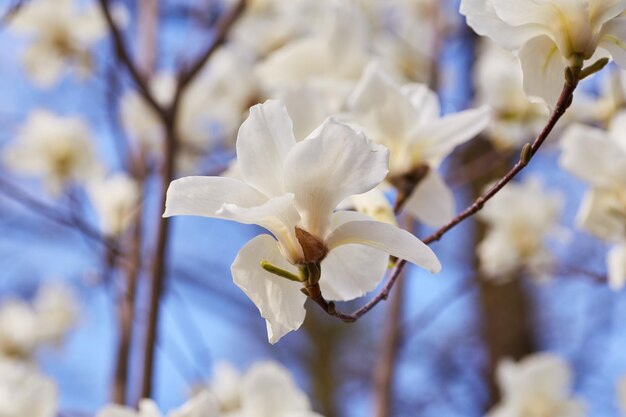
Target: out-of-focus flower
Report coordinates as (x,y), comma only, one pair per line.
(407,120)
(116,199)
(515,120)
(25,392)
(61,34)
(203,405)
(599,157)
(292,189)
(58,150)
(210,110)
(621,395)
(601,109)
(537,386)
(25,327)
(519,219)
(551,34)
(265,390)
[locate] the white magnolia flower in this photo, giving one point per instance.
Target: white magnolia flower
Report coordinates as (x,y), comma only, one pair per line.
(25,392)
(291,189)
(265,390)
(515,120)
(56,149)
(551,34)
(203,405)
(19,330)
(57,309)
(61,34)
(407,120)
(599,158)
(603,107)
(520,217)
(116,200)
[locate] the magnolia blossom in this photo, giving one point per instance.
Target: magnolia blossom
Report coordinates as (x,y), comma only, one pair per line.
(603,107)
(56,149)
(116,200)
(265,390)
(25,392)
(599,157)
(203,405)
(292,189)
(537,386)
(515,120)
(24,327)
(519,219)
(549,35)
(406,119)
(61,34)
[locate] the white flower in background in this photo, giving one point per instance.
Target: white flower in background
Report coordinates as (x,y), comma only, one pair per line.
(515,120)
(58,150)
(291,189)
(519,218)
(24,327)
(265,390)
(603,107)
(203,405)
(56,308)
(210,110)
(407,120)
(621,395)
(116,200)
(25,392)
(61,34)
(537,386)
(599,158)
(551,34)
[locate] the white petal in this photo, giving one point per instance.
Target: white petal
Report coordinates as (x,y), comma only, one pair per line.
(592,155)
(601,11)
(616,266)
(204,196)
(350,271)
(333,164)
(263,141)
(602,214)
(438,138)
(431,202)
(613,39)
(114,410)
(517,13)
(203,404)
(482,17)
(279,300)
(544,69)
(387,238)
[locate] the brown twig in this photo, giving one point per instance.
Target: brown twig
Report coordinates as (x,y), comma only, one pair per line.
(565,100)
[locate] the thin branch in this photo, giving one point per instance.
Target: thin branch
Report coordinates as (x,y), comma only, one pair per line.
(565,100)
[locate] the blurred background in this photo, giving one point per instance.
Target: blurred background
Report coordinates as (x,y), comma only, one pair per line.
(429,350)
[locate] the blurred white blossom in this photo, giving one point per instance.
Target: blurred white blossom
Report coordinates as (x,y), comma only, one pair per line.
(203,405)
(407,120)
(291,189)
(549,35)
(537,386)
(519,218)
(599,158)
(116,200)
(25,392)
(61,33)
(55,149)
(515,120)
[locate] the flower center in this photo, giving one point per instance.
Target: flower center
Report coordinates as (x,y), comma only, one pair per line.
(313,247)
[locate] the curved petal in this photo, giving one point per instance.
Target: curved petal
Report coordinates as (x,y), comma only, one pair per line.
(350,271)
(616,267)
(601,11)
(481,16)
(204,196)
(263,141)
(387,238)
(441,136)
(203,404)
(279,300)
(278,215)
(543,67)
(613,39)
(601,213)
(431,202)
(333,164)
